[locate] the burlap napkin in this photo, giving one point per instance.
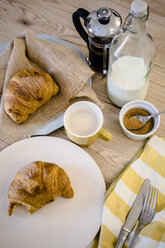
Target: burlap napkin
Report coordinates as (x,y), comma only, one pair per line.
(64,65)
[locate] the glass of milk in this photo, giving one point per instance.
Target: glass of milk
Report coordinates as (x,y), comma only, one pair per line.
(130,60)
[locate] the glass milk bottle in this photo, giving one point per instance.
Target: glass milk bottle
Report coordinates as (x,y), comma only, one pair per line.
(131,55)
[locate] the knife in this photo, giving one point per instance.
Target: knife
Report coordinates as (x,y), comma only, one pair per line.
(133,215)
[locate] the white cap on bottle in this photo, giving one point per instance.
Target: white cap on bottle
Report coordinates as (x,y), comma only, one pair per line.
(138,7)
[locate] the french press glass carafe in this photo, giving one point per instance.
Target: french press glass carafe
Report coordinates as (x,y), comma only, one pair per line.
(102,24)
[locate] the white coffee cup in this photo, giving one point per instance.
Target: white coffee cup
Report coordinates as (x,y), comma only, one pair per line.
(83,123)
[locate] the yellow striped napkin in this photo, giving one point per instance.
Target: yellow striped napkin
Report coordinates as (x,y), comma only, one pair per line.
(149,163)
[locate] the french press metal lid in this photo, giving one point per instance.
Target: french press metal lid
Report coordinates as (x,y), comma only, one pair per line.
(102,24)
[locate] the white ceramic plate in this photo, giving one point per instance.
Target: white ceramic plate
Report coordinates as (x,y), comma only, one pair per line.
(57,122)
(64,223)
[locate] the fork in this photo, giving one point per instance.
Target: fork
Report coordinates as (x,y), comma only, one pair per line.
(147,213)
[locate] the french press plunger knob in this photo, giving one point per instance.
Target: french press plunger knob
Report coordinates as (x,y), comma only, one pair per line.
(104,15)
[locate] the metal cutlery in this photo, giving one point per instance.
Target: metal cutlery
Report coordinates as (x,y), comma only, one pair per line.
(133,214)
(147,213)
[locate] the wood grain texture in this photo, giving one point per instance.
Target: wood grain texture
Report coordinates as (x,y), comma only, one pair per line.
(55,17)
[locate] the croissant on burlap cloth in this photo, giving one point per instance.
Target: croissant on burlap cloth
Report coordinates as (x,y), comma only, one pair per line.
(67,69)
(26,92)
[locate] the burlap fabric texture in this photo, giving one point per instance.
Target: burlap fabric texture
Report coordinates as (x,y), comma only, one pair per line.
(61,62)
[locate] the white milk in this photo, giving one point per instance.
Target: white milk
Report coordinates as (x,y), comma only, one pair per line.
(127,80)
(83,122)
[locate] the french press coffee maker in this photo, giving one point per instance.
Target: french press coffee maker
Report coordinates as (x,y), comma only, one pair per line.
(102,24)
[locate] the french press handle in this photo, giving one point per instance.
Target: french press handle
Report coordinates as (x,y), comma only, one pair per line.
(83,13)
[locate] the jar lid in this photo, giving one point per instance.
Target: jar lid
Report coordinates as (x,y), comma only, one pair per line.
(139,7)
(103,22)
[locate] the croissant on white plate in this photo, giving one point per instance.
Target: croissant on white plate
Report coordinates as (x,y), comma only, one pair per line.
(37,184)
(26,92)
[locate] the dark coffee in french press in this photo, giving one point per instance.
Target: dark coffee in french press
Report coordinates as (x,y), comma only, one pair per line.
(102,24)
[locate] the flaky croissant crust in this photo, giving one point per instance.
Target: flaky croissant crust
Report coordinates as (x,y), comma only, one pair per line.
(37,184)
(26,92)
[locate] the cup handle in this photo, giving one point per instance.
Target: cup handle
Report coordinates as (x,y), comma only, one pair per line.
(105,135)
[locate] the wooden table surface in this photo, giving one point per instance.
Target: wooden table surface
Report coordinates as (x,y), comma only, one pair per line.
(54,17)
